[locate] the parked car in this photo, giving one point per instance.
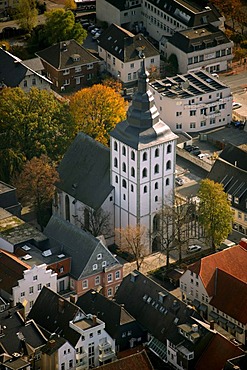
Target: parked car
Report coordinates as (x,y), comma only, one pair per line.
(236,105)
(94,31)
(179,181)
(96,36)
(203,155)
(193,248)
(190,148)
(91,27)
(195,152)
(215,75)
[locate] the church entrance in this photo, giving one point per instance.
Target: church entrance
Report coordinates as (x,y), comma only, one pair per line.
(156,245)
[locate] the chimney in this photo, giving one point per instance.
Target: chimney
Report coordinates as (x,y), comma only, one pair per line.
(52,343)
(94,320)
(195,328)
(236,164)
(72,298)
(212,324)
(61,305)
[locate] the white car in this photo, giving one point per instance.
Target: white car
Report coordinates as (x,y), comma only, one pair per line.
(193,248)
(236,105)
(203,155)
(179,181)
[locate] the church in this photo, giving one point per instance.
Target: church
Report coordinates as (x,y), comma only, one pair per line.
(126,184)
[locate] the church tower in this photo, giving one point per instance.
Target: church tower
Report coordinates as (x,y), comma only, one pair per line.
(143,156)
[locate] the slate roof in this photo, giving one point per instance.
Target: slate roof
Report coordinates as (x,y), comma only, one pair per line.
(54,343)
(141,298)
(11,323)
(66,54)
(113,314)
(143,126)
(228,286)
(137,361)
(11,270)
(202,38)
(80,245)
(46,313)
(232,261)
(217,353)
(85,171)
(234,155)
(13,70)
(124,45)
(35,64)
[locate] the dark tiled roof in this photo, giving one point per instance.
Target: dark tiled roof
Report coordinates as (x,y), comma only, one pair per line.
(235,155)
(62,55)
(124,45)
(201,38)
(85,171)
(54,343)
(119,4)
(80,245)
(137,361)
(53,313)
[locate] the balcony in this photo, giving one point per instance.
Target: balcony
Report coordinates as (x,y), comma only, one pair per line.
(105,350)
(104,345)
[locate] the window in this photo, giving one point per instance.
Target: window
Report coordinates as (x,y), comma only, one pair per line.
(212,121)
(67,208)
(77,80)
(48,285)
(124,183)
(35,277)
(95,266)
(168,165)
(124,167)
(132,65)
(157,152)
(123,150)
(70,364)
(132,172)
(114,61)
(169,148)
(156,198)
(167,182)
(66,72)
(39,287)
(129,76)
(145,189)
(115,162)
(156,168)
(31,290)
(117,275)
(156,222)
(192,113)
(91,335)
(22,294)
(84,284)
(203,123)
(132,155)
(131,188)
(144,172)
(63,366)
(115,146)
(156,186)
(25,83)
(144,156)
(109,278)
(66,82)
(77,69)
(104,263)
(109,292)
(97,280)
(178,114)
(34,81)
(192,125)
(179,126)
(124,197)
(90,66)
(99,256)
(116,180)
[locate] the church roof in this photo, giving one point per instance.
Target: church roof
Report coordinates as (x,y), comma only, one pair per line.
(85,171)
(143,126)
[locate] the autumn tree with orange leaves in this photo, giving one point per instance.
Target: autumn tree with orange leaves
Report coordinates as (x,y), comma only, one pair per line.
(36,185)
(97,110)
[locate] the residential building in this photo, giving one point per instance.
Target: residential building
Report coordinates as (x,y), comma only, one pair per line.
(121,326)
(217,286)
(22,284)
(158,18)
(8,199)
(177,333)
(193,102)
(58,352)
(205,47)
(131,181)
(136,361)
(69,65)
(15,73)
(230,170)
(85,333)
(92,264)
(122,53)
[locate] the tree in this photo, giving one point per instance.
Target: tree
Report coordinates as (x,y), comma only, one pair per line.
(31,124)
(132,240)
(112,82)
(70,5)
(96,221)
(215,213)
(173,64)
(60,26)
(97,110)
(27,14)
(36,185)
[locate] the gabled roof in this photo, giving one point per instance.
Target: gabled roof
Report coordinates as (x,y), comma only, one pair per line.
(113,314)
(217,353)
(230,296)
(66,54)
(235,155)
(53,314)
(124,45)
(231,260)
(11,270)
(13,70)
(85,171)
(158,311)
(55,342)
(137,361)
(80,245)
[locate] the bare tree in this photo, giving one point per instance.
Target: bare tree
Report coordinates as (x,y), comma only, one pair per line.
(132,240)
(97,222)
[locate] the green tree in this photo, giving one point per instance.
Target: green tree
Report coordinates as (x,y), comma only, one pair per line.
(70,5)
(215,214)
(173,64)
(31,124)
(27,14)
(36,185)
(60,26)
(97,110)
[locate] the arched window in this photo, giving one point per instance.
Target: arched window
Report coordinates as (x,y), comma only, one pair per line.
(133,155)
(132,172)
(144,172)
(157,152)
(123,150)
(156,186)
(115,162)
(168,165)
(156,223)
(131,188)
(116,179)
(145,189)
(169,148)
(167,182)
(115,146)
(156,198)
(86,218)
(67,208)
(145,156)
(124,167)
(156,168)
(124,183)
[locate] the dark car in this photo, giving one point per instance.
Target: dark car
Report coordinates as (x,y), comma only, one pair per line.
(188,148)
(195,151)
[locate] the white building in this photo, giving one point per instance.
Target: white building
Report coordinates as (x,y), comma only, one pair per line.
(193,102)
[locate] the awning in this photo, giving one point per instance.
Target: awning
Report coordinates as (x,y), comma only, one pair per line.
(214,315)
(196,303)
(230,325)
(203,308)
(239,330)
(222,320)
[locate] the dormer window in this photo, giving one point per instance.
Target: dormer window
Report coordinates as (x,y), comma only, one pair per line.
(75,57)
(236,200)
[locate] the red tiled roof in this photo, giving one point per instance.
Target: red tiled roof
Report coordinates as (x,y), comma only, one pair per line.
(243,243)
(230,296)
(137,361)
(217,353)
(232,260)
